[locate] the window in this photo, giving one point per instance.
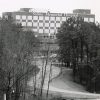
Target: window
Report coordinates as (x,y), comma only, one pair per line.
(52,18)
(40,17)
(23,17)
(40,24)
(18,17)
(86,19)
(63,18)
(23,23)
(46,24)
(57,25)
(29,17)
(57,18)
(91,19)
(29,24)
(40,30)
(46,30)
(52,30)
(35,24)
(35,17)
(46,18)
(52,24)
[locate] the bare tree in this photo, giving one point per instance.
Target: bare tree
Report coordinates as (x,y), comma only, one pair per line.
(18,46)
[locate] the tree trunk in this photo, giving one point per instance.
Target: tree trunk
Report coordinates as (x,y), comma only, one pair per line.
(8,91)
(8,94)
(50,73)
(68,64)
(81,50)
(17,92)
(87,54)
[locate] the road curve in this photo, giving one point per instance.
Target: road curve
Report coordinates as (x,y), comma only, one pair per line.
(60,85)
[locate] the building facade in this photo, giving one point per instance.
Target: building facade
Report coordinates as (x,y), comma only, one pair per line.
(85,14)
(47,22)
(38,22)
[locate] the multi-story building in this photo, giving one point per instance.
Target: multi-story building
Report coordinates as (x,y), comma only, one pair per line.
(46,22)
(39,22)
(85,14)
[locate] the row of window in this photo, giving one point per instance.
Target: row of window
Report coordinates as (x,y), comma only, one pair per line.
(40,24)
(40,21)
(45,31)
(24,17)
(47,18)
(51,37)
(89,19)
(45,27)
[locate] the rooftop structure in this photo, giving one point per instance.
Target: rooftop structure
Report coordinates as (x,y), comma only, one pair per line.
(85,14)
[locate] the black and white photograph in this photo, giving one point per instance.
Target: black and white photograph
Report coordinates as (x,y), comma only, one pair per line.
(49,50)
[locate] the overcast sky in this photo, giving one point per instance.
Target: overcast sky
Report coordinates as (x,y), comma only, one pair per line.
(61,6)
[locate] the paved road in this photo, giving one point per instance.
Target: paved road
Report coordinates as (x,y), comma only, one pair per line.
(65,81)
(62,85)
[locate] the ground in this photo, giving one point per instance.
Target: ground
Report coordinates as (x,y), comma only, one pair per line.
(65,81)
(62,83)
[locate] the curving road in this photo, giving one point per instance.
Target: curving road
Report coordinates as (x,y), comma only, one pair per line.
(62,85)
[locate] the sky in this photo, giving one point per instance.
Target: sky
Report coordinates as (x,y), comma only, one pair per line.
(60,6)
